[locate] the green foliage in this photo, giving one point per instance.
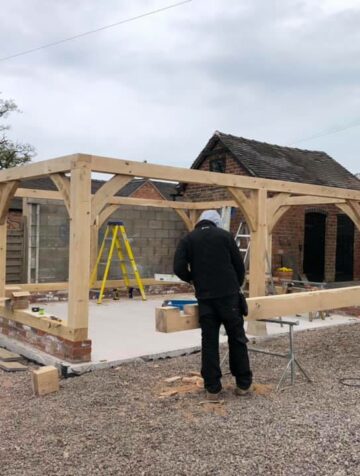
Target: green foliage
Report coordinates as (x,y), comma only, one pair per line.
(12,153)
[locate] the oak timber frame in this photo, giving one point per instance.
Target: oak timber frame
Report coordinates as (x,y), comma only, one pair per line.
(262,202)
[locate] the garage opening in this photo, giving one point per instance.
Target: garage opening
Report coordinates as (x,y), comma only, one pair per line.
(344,267)
(314,246)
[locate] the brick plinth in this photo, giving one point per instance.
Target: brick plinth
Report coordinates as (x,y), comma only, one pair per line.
(75,352)
(349,311)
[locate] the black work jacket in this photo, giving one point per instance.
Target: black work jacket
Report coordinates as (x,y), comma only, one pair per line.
(209,258)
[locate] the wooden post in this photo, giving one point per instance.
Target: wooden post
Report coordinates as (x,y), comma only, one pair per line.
(94,244)
(258,249)
(7,191)
(3,238)
(79,256)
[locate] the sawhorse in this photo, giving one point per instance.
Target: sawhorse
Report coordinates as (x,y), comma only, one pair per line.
(292,360)
(290,356)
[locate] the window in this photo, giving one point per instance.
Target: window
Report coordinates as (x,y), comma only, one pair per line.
(217,165)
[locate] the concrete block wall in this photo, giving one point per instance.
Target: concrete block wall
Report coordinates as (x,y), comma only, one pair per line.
(53,242)
(153,234)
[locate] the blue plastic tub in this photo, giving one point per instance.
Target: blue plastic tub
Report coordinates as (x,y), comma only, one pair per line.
(180,303)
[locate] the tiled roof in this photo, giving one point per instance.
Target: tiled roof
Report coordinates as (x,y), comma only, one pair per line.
(282,163)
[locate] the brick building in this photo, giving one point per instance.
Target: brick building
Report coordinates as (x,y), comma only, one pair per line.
(320,242)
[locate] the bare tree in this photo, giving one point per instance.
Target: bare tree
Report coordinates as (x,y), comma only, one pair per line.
(12,153)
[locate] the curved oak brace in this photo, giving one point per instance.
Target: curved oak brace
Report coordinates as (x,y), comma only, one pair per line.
(246,205)
(106,214)
(62,183)
(275,203)
(106,192)
(355,206)
(7,191)
(277,217)
(185,218)
(349,211)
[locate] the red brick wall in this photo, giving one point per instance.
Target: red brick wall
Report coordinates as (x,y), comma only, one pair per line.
(288,235)
(147,190)
(199,193)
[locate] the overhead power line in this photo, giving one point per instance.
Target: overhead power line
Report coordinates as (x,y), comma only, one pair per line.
(327,132)
(90,32)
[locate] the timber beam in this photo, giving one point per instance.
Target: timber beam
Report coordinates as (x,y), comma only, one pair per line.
(39,169)
(296,303)
(162,172)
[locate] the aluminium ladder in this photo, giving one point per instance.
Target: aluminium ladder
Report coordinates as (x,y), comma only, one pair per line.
(242,239)
(117,231)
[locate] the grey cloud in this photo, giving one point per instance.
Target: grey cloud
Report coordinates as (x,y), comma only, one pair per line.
(157,89)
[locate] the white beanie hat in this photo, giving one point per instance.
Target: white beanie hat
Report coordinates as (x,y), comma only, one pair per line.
(211,215)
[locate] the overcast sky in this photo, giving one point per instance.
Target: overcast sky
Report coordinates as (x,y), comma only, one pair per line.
(157,88)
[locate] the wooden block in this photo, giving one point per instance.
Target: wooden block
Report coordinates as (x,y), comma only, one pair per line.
(20,294)
(164,316)
(279,290)
(45,380)
(9,290)
(12,366)
(169,319)
(191,310)
(17,303)
(7,356)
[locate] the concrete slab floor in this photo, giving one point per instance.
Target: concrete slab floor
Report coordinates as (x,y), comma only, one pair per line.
(125,329)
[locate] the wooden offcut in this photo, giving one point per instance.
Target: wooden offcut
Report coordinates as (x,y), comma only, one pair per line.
(18,300)
(45,380)
(7,356)
(170,319)
(12,366)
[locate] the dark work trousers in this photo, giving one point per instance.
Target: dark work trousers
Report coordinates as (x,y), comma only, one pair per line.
(213,313)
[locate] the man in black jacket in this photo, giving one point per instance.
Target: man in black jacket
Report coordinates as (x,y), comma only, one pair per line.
(209,258)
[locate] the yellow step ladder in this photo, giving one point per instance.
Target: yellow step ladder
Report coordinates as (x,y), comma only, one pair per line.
(117,231)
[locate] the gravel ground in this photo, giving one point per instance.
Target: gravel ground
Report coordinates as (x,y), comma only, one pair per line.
(114,422)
